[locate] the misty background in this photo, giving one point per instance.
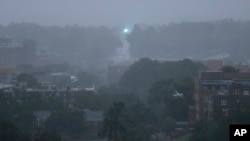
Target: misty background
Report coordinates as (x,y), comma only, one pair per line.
(89,33)
(98,47)
(61,62)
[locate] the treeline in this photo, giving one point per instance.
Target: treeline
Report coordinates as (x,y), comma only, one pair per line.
(95,46)
(130,114)
(144,73)
(22,115)
(148,104)
(154,96)
(191,39)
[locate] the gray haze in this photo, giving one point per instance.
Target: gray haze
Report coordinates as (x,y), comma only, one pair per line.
(120,12)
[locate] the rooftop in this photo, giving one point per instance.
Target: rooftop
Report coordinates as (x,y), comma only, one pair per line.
(224,76)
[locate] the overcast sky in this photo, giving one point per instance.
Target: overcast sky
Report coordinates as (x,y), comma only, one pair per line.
(120,12)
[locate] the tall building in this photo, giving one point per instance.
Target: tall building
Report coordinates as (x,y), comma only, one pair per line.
(13,54)
(219,92)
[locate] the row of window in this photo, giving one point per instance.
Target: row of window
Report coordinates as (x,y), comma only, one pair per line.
(214,87)
(224,110)
(223,102)
(235,91)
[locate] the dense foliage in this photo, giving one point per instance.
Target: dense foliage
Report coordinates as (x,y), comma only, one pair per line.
(145,72)
(94,46)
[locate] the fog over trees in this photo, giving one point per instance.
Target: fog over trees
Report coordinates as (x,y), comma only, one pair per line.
(199,40)
(96,46)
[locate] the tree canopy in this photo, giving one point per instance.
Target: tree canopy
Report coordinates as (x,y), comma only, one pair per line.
(142,74)
(115,122)
(27,78)
(191,39)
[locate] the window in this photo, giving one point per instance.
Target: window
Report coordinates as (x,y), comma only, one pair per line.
(223,102)
(246,92)
(225,112)
(236,91)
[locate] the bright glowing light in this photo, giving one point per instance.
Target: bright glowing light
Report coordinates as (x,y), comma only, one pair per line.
(125,30)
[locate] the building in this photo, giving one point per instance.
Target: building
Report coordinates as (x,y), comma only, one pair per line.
(6,73)
(221,92)
(13,54)
(216,65)
(212,65)
(94,121)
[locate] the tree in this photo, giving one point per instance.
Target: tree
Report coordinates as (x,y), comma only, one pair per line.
(168,124)
(9,132)
(115,122)
(167,41)
(143,127)
(144,73)
(27,78)
(47,136)
(161,91)
(161,97)
(163,102)
(18,111)
(140,76)
(187,87)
